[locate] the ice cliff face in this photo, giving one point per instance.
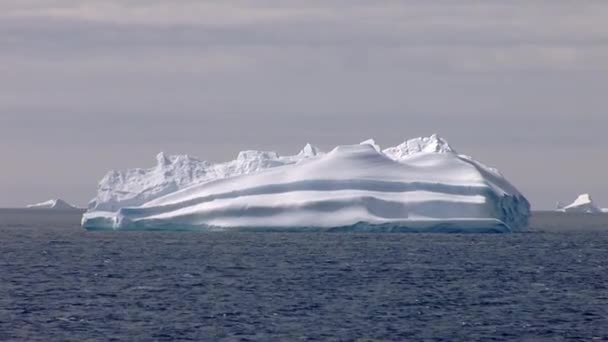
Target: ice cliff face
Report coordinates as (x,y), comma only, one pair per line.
(135,187)
(57,204)
(420,185)
(582,204)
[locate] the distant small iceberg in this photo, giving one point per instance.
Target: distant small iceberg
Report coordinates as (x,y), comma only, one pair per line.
(55,204)
(582,204)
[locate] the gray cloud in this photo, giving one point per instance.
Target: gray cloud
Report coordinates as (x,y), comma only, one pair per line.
(90,85)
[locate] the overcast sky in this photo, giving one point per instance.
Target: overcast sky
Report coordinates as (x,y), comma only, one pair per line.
(87,86)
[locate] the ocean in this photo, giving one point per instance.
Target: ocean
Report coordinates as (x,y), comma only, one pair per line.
(59,282)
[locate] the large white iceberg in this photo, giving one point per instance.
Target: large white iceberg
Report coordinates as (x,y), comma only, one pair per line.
(420,185)
(55,203)
(582,204)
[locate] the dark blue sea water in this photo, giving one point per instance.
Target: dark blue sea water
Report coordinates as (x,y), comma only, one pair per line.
(59,282)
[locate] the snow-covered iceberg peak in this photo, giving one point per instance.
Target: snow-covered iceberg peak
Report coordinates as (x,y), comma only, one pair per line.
(253,155)
(309,151)
(582,204)
(136,186)
(372,143)
(167,162)
(55,203)
(171,173)
(432,144)
(427,187)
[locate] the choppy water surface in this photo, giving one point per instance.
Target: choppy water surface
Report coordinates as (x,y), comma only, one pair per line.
(58,282)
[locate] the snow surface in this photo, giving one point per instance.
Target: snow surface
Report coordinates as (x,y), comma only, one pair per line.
(137,186)
(432,144)
(582,204)
(420,185)
(55,203)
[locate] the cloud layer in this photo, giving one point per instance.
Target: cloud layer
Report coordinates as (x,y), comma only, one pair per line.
(92,85)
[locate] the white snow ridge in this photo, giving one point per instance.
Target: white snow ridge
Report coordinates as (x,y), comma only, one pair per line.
(422,185)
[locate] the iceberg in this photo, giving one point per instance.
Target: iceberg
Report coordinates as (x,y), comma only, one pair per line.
(56,204)
(583,204)
(422,185)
